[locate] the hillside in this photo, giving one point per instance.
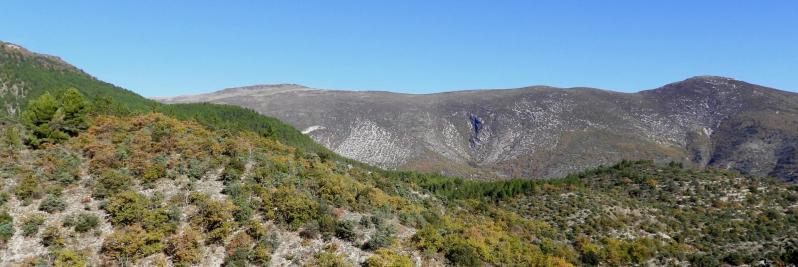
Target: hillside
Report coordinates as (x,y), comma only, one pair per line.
(150,190)
(82,183)
(25,75)
(542,131)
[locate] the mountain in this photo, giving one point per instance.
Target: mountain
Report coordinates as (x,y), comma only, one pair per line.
(147,184)
(541,131)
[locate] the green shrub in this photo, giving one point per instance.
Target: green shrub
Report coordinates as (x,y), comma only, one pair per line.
(128,208)
(69,258)
(65,178)
(52,204)
(289,206)
(82,222)
(256,230)
(261,253)
(111,182)
(382,238)
(428,239)
(153,172)
(365,221)
(233,170)
(185,248)
(28,188)
(53,189)
(327,225)
(243,211)
(215,217)
(329,259)
(311,230)
(388,258)
(11,138)
(131,243)
(345,230)
(239,257)
(6,226)
(238,250)
(51,236)
(4,196)
(460,254)
(196,169)
(30,225)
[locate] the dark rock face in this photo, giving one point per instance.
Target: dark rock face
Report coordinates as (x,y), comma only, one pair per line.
(539,132)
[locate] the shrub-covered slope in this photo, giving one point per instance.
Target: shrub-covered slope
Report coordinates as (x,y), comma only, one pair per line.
(150,189)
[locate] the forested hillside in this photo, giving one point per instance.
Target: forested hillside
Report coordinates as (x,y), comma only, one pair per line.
(25,75)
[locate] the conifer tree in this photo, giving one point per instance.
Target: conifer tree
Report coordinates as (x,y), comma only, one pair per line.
(52,120)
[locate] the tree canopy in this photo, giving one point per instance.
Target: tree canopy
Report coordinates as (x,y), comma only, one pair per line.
(52,120)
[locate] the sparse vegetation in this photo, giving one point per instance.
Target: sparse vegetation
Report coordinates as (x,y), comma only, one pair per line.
(52,204)
(31,223)
(6,227)
(82,222)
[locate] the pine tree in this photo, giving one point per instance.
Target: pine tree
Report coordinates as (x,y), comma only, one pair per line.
(75,109)
(11,138)
(53,120)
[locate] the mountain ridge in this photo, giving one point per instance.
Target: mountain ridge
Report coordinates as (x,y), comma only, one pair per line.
(491,132)
(270,86)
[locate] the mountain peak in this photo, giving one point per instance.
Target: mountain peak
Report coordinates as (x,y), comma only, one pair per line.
(272,86)
(280,87)
(710,81)
(709,78)
(704,85)
(15,53)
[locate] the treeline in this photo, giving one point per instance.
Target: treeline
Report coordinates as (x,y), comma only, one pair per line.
(39,75)
(459,188)
(233,118)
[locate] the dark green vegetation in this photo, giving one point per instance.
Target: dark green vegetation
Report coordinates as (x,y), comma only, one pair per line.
(25,76)
(233,118)
(207,185)
(52,120)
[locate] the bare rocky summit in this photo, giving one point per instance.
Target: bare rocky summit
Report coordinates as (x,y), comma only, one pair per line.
(541,131)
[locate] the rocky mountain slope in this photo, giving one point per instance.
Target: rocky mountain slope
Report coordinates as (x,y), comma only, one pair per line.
(541,131)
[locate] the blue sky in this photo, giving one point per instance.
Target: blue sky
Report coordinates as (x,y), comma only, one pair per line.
(161,48)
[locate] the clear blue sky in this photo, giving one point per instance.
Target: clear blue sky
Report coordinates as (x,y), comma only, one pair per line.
(160,48)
